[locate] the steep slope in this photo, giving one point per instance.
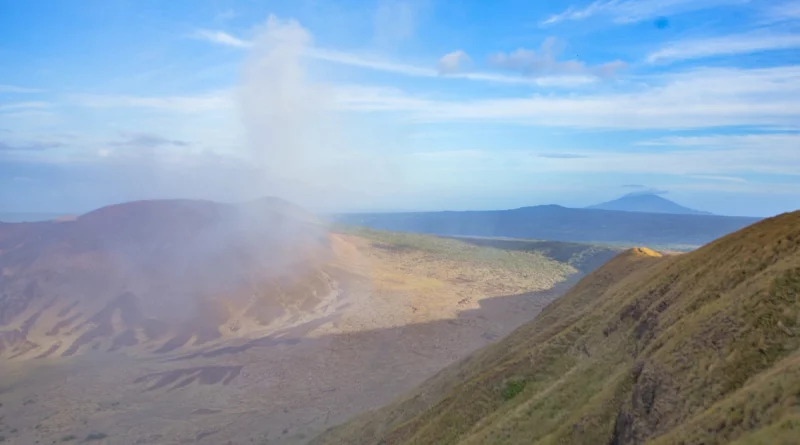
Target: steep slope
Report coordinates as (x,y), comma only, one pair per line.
(698,348)
(557,223)
(405,307)
(158,275)
(648,203)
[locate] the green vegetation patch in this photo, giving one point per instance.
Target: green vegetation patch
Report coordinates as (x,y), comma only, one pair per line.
(513,388)
(461,250)
(95,436)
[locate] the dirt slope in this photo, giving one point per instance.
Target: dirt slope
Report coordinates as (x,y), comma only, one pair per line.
(315,327)
(698,348)
(158,275)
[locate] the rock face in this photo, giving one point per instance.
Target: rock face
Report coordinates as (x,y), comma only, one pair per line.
(158,276)
(697,348)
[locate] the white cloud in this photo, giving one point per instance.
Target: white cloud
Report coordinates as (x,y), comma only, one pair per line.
(560,81)
(720,165)
(373,62)
(724,46)
(694,99)
(453,62)
(724,165)
(395,20)
(182,104)
(18,89)
(225,15)
(221,38)
(31,105)
(29,115)
(545,61)
(573,13)
(712,157)
(701,98)
(369,62)
(368,99)
(784,11)
(631,11)
(719,178)
(782,140)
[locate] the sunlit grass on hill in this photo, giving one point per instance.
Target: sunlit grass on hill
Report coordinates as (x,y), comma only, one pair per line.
(699,348)
(566,258)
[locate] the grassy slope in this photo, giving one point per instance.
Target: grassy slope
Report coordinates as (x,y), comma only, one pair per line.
(696,348)
(514,254)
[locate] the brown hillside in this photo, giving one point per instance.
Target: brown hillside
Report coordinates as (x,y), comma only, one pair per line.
(401,307)
(158,275)
(699,348)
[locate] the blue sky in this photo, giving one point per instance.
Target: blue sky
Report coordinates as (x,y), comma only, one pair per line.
(401,105)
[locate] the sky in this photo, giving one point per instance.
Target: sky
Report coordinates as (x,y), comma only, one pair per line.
(393,105)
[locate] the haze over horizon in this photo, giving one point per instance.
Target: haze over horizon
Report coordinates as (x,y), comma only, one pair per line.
(401,105)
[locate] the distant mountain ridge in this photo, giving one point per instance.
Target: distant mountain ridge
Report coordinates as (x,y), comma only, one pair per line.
(13,217)
(98,281)
(556,223)
(647,203)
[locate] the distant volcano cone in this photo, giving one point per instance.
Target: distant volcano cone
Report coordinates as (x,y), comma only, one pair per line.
(647,203)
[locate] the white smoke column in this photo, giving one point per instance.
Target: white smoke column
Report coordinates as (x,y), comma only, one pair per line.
(293,132)
(304,145)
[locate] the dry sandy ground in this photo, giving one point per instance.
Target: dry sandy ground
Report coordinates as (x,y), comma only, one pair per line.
(400,317)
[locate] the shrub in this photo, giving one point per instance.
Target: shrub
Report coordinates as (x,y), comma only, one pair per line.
(512,389)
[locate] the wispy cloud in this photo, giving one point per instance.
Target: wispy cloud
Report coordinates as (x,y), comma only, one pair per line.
(708,164)
(719,178)
(33,105)
(18,89)
(631,11)
(369,62)
(693,99)
(783,11)
(642,191)
(28,146)
(544,61)
(146,140)
(183,104)
(724,46)
(573,13)
(396,20)
(221,38)
(377,63)
(225,15)
(561,156)
(726,162)
(369,99)
(454,62)
(786,140)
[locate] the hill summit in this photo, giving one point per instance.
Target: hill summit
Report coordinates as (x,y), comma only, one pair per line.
(697,348)
(158,275)
(646,203)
